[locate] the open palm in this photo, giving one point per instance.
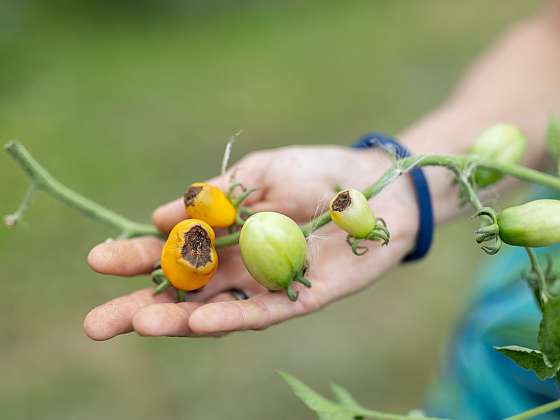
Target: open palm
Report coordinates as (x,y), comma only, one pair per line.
(296,181)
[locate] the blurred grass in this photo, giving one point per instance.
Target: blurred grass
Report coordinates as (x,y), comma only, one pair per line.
(127,103)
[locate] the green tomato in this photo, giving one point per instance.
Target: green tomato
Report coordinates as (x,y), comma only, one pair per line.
(503,143)
(350,211)
(273,249)
(533,224)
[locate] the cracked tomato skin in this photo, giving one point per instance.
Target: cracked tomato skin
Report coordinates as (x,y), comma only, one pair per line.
(273,249)
(209,203)
(502,143)
(178,262)
(533,224)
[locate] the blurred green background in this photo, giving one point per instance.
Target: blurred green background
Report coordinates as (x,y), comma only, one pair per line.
(128,102)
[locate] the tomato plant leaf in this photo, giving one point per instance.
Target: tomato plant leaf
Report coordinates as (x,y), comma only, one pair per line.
(345,408)
(326,409)
(344,397)
(529,359)
(549,332)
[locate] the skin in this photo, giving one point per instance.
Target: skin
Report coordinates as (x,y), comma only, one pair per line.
(516,81)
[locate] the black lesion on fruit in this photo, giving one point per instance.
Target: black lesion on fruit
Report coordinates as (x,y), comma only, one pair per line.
(191,194)
(342,201)
(197,249)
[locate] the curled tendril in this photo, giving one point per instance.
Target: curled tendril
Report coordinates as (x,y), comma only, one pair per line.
(378,233)
(354,243)
(488,235)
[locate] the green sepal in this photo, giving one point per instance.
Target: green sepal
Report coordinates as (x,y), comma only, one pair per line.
(181,295)
(301,279)
(161,286)
(292,294)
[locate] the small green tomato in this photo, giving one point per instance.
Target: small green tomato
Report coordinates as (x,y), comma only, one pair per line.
(533,224)
(503,143)
(274,250)
(350,211)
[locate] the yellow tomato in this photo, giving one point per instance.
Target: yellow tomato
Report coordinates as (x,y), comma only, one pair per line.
(207,202)
(189,258)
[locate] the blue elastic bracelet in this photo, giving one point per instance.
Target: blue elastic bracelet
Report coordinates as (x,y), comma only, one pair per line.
(421,189)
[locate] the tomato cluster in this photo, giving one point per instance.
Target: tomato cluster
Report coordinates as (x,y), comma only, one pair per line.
(272,246)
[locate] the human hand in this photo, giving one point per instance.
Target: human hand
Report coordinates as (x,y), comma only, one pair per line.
(296,181)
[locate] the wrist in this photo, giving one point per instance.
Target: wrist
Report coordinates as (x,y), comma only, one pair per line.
(401,200)
(443,132)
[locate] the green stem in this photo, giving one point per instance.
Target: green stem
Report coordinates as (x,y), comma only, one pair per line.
(44,181)
(15,217)
(388,416)
(537,411)
(541,295)
(473,196)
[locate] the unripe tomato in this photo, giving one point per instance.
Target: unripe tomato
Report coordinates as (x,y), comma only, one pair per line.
(208,203)
(350,211)
(536,223)
(189,258)
(503,143)
(273,249)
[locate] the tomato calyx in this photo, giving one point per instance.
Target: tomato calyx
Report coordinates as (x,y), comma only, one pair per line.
(379,233)
(488,234)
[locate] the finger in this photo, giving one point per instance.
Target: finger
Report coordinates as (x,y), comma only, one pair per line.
(249,172)
(256,313)
(170,319)
(128,257)
(115,317)
(169,214)
(164,319)
(286,207)
(228,296)
(223,283)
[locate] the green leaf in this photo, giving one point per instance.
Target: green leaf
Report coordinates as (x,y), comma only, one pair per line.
(326,409)
(344,397)
(529,359)
(553,138)
(549,332)
(346,409)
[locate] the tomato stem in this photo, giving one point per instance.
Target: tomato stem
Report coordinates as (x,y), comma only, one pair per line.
(542,409)
(540,292)
(44,181)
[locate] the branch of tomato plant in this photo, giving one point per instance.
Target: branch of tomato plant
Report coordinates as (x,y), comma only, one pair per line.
(537,411)
(42,180)
(458,164)
(540,289)
(533,412)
